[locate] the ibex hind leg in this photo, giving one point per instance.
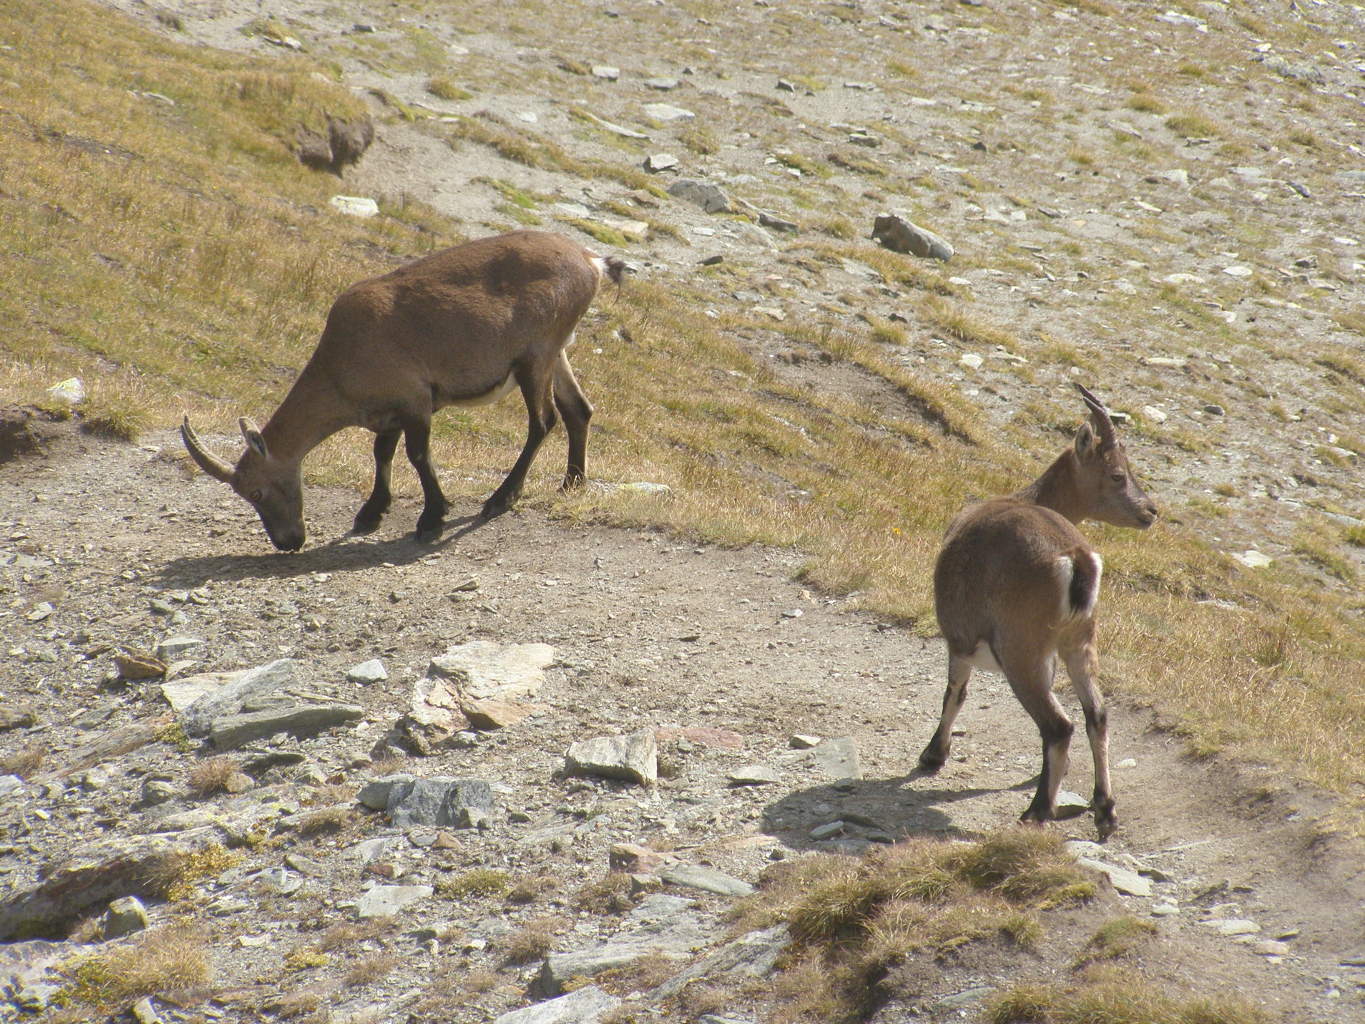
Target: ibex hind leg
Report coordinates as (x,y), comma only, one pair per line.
(367,519)
(540,420)
(932,758)
(575,410)
(1033,687)
(1082,665)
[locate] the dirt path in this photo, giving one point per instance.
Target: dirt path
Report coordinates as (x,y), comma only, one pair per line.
(649,631)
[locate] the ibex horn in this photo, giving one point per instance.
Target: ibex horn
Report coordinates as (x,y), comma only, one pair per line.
(206,460)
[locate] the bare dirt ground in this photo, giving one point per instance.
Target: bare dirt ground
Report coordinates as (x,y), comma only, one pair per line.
(653,632)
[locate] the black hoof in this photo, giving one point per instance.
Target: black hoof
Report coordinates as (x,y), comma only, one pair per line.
(930,765)
(1106,822)
(494,507)
(429,532)
(364,525)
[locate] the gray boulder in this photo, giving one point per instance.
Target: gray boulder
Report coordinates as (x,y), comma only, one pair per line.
(899,234)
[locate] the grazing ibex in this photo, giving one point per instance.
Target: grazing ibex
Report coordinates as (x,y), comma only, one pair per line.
(462,326)
(1016,584)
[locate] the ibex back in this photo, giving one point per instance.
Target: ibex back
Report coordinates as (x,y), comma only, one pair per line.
(462,326)
(1016,584)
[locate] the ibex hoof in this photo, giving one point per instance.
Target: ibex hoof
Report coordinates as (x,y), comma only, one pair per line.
(1106,822)
(429,532)
(931,763)
(365,523)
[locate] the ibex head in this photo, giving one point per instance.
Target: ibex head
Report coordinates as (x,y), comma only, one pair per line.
(273,486)
(1111,492)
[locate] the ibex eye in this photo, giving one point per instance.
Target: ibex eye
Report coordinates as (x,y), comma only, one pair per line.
(256,496)
(1118,478)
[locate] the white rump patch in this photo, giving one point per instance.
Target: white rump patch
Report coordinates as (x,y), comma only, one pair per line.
(1062,570)
(489,397)
(982,658)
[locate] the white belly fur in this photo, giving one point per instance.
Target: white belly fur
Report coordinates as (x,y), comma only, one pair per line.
(489,397)
(983,658)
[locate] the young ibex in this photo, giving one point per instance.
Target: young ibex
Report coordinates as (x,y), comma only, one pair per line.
(462,326)
(1016,584)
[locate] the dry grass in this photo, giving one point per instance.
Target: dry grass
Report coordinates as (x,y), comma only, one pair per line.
(858,918)
(211,776)
(169,959)
(478,882)
(23,762)
(532,940)
(1107,996)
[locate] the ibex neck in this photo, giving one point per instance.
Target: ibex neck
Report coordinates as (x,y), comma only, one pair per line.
(1056,489)
(308,416)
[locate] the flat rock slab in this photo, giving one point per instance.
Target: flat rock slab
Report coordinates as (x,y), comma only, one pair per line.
(559,968)
(231,731)
(438,801)
(752,955)
(695,876)
(388,900)
(483,670)
(838,758)
(586,1005)
(634,757)
(1128,882)
(228,699)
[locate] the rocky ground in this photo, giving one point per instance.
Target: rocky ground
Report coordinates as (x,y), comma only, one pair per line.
(708,670)
(759,720)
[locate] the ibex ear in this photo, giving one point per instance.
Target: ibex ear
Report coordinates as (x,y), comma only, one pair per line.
(253,437)
(1086,441)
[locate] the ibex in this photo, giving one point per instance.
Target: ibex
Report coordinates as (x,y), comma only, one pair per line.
(1016,584)
(462,326)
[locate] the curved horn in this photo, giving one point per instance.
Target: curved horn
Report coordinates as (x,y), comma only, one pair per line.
(206,460)
(1108,436)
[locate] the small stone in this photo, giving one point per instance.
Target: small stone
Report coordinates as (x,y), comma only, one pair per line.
(656,162)
(1127,762)
(367,672)
(585,1005)
(388,900)
(696,876)
(157,789)
(176,647)
(828,830)
(711,198)
(606,72)
(125,916)
(144,1013)
(666,112)
(133,666)
(754,775)
(971,360)
(355,206)
(899,234)
(634,757)
(1233,926)
(662,84)
(634,859)
(804,741)
(495,714)
(1253,559)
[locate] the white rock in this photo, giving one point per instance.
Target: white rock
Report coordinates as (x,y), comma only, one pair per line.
(356,206)
(1253,559)
(69,392)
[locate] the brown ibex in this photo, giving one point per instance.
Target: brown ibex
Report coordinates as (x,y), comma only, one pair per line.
(462,326)
(1016,584)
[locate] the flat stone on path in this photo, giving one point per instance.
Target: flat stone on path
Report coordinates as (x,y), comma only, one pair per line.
(634,757)
(367,672)
(297,719)
(696,876)
(483,670)
(586,1005)
(838,758)
(754,775)
(388,900)
(228,699)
